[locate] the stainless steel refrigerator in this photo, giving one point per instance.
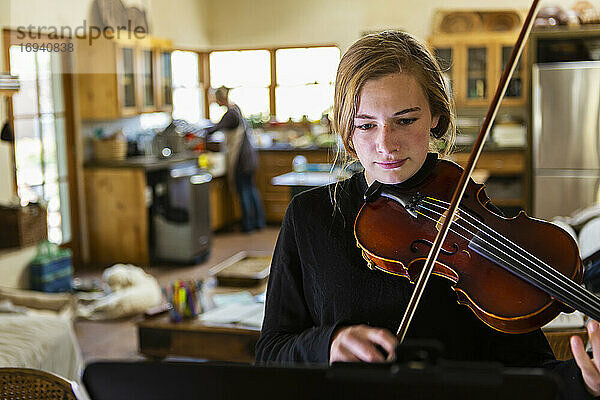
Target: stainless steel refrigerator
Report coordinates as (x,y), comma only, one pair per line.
(566,137)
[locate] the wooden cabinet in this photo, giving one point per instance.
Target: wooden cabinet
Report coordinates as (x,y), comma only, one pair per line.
(474,65)
(117,211)
(224,210)
(123,77)
(506,184)
(273,163)
(117,216)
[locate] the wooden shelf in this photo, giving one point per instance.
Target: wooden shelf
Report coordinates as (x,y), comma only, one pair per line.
(504,167)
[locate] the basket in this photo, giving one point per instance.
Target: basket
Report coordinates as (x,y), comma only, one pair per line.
(461,22)
(501,21)
(22,226)
(109,149)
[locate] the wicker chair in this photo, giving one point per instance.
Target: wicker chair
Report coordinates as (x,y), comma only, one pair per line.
(26,383)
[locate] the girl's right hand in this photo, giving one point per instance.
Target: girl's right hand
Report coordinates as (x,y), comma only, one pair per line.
(358,343)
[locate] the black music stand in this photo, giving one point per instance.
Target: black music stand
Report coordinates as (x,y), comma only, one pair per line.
(130,380)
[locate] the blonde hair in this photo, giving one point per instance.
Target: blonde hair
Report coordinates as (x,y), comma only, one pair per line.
(377,55)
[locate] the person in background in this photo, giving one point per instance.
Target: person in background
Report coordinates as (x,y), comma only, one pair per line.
(323,303)
(242,161)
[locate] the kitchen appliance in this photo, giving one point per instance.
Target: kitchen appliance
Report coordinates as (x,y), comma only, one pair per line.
(181,215)
(566,137)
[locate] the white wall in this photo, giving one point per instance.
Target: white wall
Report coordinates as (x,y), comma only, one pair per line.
(266,23)
(182,21)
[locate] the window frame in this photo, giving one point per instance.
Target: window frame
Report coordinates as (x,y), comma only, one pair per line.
(202,75)
(77,243)
(273,85)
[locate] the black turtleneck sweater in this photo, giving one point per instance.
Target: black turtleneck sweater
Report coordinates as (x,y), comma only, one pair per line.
(319,281)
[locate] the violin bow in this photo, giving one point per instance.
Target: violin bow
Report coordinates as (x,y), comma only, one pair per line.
(464,179)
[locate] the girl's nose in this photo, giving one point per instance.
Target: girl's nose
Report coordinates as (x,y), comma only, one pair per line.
(386,141)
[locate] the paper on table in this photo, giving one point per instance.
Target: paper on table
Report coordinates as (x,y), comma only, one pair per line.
(255,319)
(225,299)
(564,321)
(232,313)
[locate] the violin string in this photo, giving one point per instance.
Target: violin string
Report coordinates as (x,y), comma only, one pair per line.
(577,291)
(531,277)
(545,268)
(544,274)
(559,289)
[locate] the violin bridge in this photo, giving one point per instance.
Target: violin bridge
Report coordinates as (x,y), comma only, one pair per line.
(440,221)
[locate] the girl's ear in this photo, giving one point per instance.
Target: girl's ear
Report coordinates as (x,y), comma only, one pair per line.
(434,121)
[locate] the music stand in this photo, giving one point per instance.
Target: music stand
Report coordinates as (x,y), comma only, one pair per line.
(153,380)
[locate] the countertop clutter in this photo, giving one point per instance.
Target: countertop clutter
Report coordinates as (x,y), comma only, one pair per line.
(214,162)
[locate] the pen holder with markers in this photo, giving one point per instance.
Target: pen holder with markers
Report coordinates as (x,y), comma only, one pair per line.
(184,298)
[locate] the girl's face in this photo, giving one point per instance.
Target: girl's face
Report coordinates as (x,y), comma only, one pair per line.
(391,128)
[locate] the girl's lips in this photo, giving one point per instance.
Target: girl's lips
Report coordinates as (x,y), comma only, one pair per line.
(391,164)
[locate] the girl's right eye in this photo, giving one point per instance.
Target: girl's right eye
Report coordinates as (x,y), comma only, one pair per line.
(364,127)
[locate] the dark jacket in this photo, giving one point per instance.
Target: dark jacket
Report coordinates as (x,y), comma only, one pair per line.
(319,281)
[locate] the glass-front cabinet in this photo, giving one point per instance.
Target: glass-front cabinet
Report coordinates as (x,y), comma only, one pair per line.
(444,56)
(474,66)
(147,79)
(126,79)
(123,77)
(477,77)
(515,85)
(165,81)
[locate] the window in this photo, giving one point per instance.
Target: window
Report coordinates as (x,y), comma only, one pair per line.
(40,136)
(248,74)
(188,96)
(305,82)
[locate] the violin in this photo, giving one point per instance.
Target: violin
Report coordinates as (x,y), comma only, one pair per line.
(516,274)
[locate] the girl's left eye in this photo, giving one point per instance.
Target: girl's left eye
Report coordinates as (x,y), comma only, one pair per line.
(405,121)
(364,127)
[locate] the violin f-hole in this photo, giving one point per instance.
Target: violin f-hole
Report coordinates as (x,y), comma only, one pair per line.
(414,249)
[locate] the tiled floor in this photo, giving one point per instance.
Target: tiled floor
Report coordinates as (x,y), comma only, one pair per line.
(118,339)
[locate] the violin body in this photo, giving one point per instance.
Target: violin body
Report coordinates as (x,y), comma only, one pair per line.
(397,238)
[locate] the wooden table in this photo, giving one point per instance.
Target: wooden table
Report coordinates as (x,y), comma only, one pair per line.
(559,341)
(159,338)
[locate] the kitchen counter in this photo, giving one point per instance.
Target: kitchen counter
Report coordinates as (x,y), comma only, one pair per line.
(147,162)
(125,190)
(217,165)
(289,147)
(309,178)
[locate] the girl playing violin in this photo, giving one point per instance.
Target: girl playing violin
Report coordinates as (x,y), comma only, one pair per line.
(392,110)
